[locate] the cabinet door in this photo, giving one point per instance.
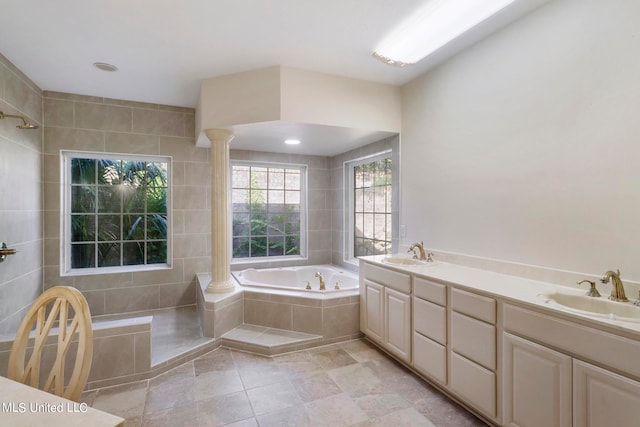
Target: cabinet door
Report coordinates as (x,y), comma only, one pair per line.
(603,399)
(374,314)
(397,307)
(430,358)
(537,385)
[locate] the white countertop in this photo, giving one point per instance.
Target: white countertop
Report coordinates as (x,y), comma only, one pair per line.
(27,406)
(507,287)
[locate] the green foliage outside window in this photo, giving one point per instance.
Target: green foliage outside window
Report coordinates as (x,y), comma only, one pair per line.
(118,212)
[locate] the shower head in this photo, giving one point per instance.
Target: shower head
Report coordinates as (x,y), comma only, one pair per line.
(25,123)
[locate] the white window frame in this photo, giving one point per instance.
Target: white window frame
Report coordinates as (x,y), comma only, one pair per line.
(303,211)
(349,223)
(65,213)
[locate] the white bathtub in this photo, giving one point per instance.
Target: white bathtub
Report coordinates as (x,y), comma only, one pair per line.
(296,278)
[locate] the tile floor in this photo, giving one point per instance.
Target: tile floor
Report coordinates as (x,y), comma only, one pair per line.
(346,384)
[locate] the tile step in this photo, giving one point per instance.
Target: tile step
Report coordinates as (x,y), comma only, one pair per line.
(267,341)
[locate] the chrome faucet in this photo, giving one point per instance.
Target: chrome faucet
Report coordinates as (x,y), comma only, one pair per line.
(322,285)
(617,291)
(419,247)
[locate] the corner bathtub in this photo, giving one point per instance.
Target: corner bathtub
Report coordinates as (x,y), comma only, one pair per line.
(296,278)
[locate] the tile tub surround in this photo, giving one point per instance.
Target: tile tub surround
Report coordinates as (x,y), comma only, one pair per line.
(350,383)
(76,122)
(334,318)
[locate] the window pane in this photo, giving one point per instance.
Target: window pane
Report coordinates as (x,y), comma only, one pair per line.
(241,247)
(292,198)
(240,177)
(379,226)
(108,228)
(109,199)
(156,174)
(276,224)
(109,171)
(156,227)
(108,254)
(241,224)
(156,199)
(83,228)
(133,227)
(83,198)
(292,245)
(258,246)
(156,252)
(133,253)
(258,225)
(133,200)
(276,200)
(83,256)
(292,223)
(367,230)
(292,179)
(276,179)
(134,174)
(240,200)
(258,177)
(276,246)
(83,171)
(368,200)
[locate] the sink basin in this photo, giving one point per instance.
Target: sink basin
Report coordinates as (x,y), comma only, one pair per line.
(594,306)
(399,260)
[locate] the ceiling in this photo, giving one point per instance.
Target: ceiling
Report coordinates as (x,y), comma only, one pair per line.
(165,48)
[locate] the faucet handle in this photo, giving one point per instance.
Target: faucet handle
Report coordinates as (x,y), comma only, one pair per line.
(593,292)
(637,301)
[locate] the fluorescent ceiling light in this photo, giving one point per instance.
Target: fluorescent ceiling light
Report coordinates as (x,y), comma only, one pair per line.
(292,141)
(434,25)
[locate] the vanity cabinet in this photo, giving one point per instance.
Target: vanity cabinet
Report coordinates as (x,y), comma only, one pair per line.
(554,386)
(537,385)
(472,356)
(386,301)
(602,398)
(430,329)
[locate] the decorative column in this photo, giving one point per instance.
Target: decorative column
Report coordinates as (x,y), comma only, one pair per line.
(220,224)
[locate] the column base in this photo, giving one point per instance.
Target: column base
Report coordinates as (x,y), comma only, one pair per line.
(221,287)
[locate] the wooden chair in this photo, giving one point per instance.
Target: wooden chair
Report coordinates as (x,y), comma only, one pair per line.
(53,308)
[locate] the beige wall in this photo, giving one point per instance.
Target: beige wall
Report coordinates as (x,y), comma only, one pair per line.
(524,148)
(77,122)
(20,196)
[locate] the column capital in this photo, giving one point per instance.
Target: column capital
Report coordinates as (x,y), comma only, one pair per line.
(219,135)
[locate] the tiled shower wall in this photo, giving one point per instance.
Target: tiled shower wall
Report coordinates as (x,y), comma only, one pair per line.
(84,123)
(20,196)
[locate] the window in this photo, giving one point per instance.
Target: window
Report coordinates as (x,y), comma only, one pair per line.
(371,215)
(268,210)
(115,212)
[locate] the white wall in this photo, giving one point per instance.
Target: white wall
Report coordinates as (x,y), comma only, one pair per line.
(525,147)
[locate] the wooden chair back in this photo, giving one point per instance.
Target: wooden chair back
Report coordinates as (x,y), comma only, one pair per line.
(63,308)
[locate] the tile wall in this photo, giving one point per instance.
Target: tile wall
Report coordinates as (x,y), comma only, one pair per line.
(76,122)
(20,196)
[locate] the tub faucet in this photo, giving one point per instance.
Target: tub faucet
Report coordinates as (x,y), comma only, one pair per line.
(617,291)
(420,248)
(322,285)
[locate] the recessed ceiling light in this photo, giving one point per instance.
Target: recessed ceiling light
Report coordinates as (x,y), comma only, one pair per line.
(292,141)
(105,67)
(434,25)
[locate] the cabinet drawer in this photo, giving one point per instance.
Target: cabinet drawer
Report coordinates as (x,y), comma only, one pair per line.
(478,306)
(474,339)
(431,291)
(430,358)
(473,382)
(430,320)
(393,279)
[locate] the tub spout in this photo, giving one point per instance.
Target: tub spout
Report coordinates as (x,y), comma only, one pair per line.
(321,278)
